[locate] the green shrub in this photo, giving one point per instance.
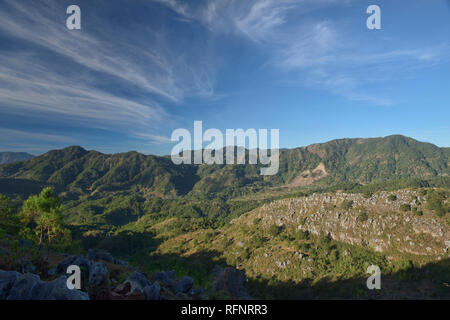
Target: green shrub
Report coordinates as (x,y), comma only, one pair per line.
(367,194)
(363,216)
(347,204)
(256,242)
(275,230)
(302,235)
(392,197)
(405,207)
(436,202)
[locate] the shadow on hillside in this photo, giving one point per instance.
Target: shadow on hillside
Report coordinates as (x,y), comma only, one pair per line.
(431,281)
(23,188)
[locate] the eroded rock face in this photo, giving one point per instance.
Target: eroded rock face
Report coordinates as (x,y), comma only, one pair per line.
(97,270)
(137,286)
(153,292)
(376,221)
(135,283)
(7,280)
(97,273)
(17,286)
(77,260)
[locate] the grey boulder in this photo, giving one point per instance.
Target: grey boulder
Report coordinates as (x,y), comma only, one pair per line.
(153,292)
(7,280)
(97,273)
(167,278)
(134,284)
(16,286)
(77,260)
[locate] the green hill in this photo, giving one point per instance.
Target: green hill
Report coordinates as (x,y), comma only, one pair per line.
(363,161)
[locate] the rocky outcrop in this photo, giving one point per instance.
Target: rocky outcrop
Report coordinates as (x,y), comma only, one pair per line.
(138,286)
(77,260)
(183,288)
(97,270)
(17,286)
(166,277)
(101,284)
(375,221)
(97,273)
(153,292)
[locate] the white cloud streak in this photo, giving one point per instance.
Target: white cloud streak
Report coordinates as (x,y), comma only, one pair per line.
(317,53)
(144,63)
(148,64)
(33,136)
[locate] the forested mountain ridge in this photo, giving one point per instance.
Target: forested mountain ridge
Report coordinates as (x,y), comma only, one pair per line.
(82,172)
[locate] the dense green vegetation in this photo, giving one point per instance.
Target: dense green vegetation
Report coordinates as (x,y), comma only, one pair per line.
(130,204)
(348,162)
(437,201)
(105,194)
(40,219)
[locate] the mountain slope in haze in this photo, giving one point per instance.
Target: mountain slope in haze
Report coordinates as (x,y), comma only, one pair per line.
(9,157)
(82,172)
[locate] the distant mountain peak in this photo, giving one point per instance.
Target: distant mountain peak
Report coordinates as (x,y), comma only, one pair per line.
(9,157)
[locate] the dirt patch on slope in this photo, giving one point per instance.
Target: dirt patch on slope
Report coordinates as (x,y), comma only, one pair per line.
(307,177)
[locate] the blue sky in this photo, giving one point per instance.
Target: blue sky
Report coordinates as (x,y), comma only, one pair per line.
(139,69)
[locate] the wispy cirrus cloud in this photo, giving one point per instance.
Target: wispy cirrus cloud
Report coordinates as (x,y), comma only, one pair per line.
(259,20)
(99,77)
(150,65)
(152,137)
(325,57)
(34,136)
(27,86)
(317,53)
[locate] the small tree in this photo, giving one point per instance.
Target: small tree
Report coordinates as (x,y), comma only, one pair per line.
(44,213)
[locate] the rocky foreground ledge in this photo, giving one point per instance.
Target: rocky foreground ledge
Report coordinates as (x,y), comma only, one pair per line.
(102,271)
(18,286)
